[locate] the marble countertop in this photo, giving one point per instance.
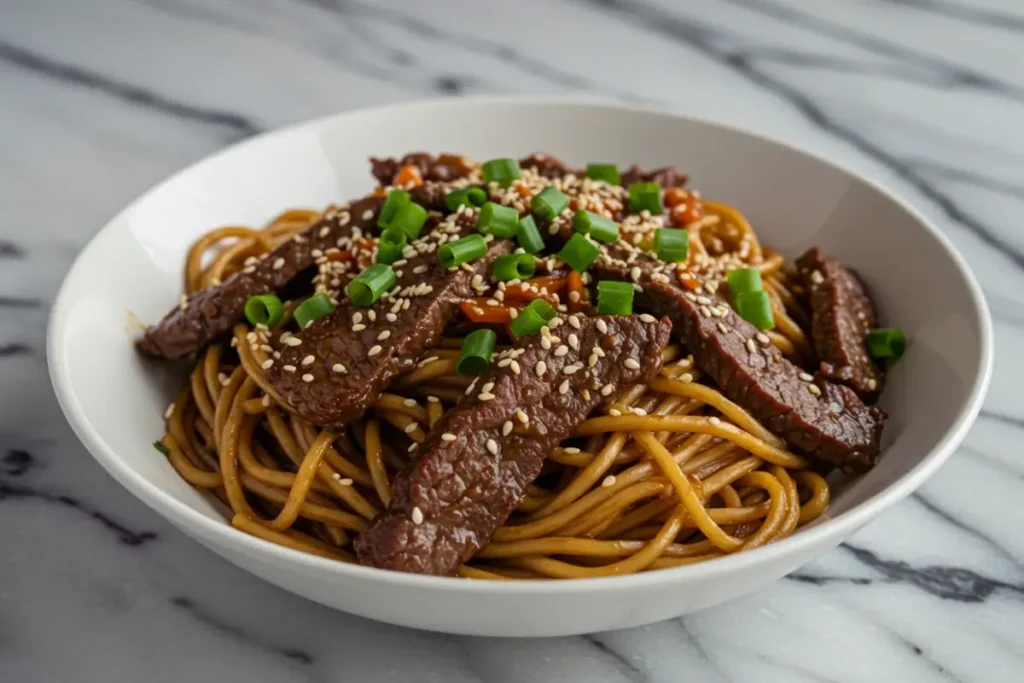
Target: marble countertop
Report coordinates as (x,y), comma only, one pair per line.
(101,98)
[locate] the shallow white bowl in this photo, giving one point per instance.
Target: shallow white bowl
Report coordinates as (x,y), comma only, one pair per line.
(793,199)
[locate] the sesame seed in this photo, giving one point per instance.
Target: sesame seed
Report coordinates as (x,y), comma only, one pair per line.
(374,350)
(409,403)
(635,273)
(391,317)
(492,446)
(574,321)
(413,446)
(433,399)
(384,335)
(561,351)
(705,311)
(572,369)
(357,317)
(723,328)
(640,411)
(615,412)
(690,296)
(324,231)
(292,341)
(563,388)
(411,427)
(545,343)
(632,364)
(607,389)
(417,514)
(448,436)
(714,420)
(574,342)
(647,318)
(813,388)
(307,377)
(751,347)
(339,368)
(540,367)
(609,480)
(522,416)
(602,326)
(806,377)
(514,366)
(368,214)
(486,396)
(223,379)
(289,368)
(686,377)
(372,315)
(169,412)
(574,296)
(704,300)
(506,428)
(763,338)
(265,401)
(817,278)
(308,360)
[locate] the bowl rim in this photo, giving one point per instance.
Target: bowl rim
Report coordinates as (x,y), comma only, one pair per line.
(178,512)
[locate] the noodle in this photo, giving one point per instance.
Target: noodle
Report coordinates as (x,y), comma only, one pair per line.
(672,473)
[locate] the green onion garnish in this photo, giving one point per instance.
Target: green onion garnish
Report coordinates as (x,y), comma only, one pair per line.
(597,226)
(532,318)
(548,203)
(392,242)
(162,448)
(264,309)
(528,235)
(370,284)
(514,267)
(464,250)
(579,253)
(312,309)
(743,280)
(671,244)
(614,298)
(645,197)
(396,199)
(477,349)
(756,309)
(501,171)
(409,219)
(886,342)
(609,173)
(469,196)
(497,220)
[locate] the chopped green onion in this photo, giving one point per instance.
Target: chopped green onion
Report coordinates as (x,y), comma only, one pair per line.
(614,298)
(392,242)
(370,284)
(313,308)
(264,309)
(498,220)
(886,342)
(672,245)
(464,250)
(529,236)
(469,196)
(645,197)
(597,226)
(548,203)
(477,349)
(162,448)
(579,253)
(501,171)
(756,309)
(409,219)
(609,173)
(396,199)
(532,318)
(514,267)
(744,280)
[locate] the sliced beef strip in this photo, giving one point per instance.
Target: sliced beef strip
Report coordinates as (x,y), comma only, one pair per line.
(551,167)
(474,471)
(207,314)
(340,364)
(832,425)
(841,315)
(442,168)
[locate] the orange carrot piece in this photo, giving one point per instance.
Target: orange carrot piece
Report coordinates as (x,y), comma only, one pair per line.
(574,283)
(477,311)
(408,175)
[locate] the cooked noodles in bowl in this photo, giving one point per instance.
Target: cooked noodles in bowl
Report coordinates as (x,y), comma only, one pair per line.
(519,370)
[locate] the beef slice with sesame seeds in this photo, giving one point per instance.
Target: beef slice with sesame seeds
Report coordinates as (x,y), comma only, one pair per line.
(841,316)
(442,168)
(479,459)
(209,313)
(833,425)
(668,176)
(343,361)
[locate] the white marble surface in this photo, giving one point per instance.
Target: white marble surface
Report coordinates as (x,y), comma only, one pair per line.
(101,98)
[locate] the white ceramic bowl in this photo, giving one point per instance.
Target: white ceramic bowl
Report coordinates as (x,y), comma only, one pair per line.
(793,199)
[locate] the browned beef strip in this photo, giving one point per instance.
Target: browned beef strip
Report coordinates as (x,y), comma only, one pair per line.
(441,168)
(841,315)
(552,167)
(834,426)
(473,471)
(207,314)
(344,360)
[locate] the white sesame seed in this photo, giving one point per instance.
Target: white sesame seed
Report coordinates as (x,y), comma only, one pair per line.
(372,315)
(751,347)
(289,368)
(169,412)
(647,318)
(486,396)
(817,278)
(640,411)
(514,366)
(607,389)
(632,364)
(574,321)
(723,328)
(561,351)
(872,384)
(540,368)
(448,436)
(492,446)
(806,377)
(368,214)
(267,363)
(307,377)
(813,388)
(409,403)
(704,300)
(571,369)
(545,343)
(563,388)
(265,401)
(609,480)
(615,412)
(391,317)
(308,360)
(763,338)
(602,326)
(522,416)
(417,516)
(506,428)
(411,427)
(384,335)
(374,350)
(339,368)
(686,377)
(714,420)
(413,446)
(279,263)
(292,341)
(433,399)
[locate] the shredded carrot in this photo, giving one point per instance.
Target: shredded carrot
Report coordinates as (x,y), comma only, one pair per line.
(523,191)
(531,289)
(574,283)
(687,280)
(675,196)
(408,175)
(477,311)
(344,255)
(380,192)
